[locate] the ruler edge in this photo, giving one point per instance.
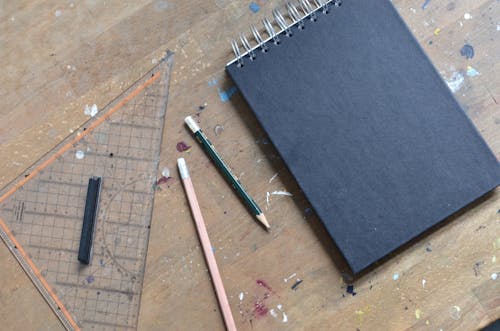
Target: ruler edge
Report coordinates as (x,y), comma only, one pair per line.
(21,256)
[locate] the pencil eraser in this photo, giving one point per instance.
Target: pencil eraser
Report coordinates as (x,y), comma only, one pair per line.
(192,124)
(183,169)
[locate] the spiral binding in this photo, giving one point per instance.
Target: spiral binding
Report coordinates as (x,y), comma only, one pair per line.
(297,12)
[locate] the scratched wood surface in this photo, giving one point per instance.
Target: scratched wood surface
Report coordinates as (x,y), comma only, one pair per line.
(56,57)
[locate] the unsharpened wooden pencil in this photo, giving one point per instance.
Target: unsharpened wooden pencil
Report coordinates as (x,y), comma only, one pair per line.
(206,245)
(233,180)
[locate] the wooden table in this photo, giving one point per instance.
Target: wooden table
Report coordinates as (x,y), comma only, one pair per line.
(57,57)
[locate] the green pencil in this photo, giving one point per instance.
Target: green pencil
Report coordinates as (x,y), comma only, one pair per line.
(233,180)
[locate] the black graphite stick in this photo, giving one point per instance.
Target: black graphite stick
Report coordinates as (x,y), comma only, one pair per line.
(89,219)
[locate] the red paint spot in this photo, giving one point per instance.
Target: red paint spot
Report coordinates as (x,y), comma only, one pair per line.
(260,309)
(182,146)
(264,284)
(162,180)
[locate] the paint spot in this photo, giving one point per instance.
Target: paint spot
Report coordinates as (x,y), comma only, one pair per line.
(218,129)
(418,313)
(437,31)
(262,283)
(493,259)
(161,5)
(260,309)
(467,16)
(471,72)
(289,277)
(288,194)
(476,268)
(165,172)
(213,249)
(202,107)
(226,95)
(494,276)
(162,180)
(241,296)
(273,177)
(395,276)
(413,10)
(455,312)
(182,146)
(91,110)
(296,285)
(425,4)
(467,51)
(101,263)
(455,82)
(285,318)
(254,7)
(498,27)
(423,283)
(212,82)
(350,290)
(79,154)
(58,13)
(496,243)
(90,279)
(428,248)
(273,313)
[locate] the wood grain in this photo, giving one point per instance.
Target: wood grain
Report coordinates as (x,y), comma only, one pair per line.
(58,57)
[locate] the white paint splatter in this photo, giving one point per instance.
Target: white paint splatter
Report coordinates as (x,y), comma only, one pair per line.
(91,110)
(498,27)
(285,318)
(413,10)
(267,198)
(165,172)
(423,283)
(395,276)
(241,296)
(289,277)
(471,72)
(58,13)
(288,194)
(455,312)
(79,154)
(418,313)
(12,18)
(494,276)
(467,16)
(493,259)
(273,178)
(273,313)
(455,82)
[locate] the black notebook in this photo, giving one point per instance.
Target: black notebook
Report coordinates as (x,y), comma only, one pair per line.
(371,133)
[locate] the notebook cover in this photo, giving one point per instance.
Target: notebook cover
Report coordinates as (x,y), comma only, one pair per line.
(368,128)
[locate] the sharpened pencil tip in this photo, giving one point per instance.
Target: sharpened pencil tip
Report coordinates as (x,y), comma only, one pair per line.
(263,220)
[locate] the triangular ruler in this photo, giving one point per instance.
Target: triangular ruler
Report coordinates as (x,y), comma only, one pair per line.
(41,212)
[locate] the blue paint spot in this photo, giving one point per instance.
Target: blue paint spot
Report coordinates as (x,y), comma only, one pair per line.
(254,7)
(471,72)
(90,279)
(212,82)
(213,249)
(425,4)
(226,95)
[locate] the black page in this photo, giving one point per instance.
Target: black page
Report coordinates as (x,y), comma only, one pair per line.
(369,130)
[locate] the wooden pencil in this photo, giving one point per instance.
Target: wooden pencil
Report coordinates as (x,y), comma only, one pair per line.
(206,245)
(226,171)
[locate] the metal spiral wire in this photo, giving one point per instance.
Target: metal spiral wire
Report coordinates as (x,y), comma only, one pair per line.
(296,13)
